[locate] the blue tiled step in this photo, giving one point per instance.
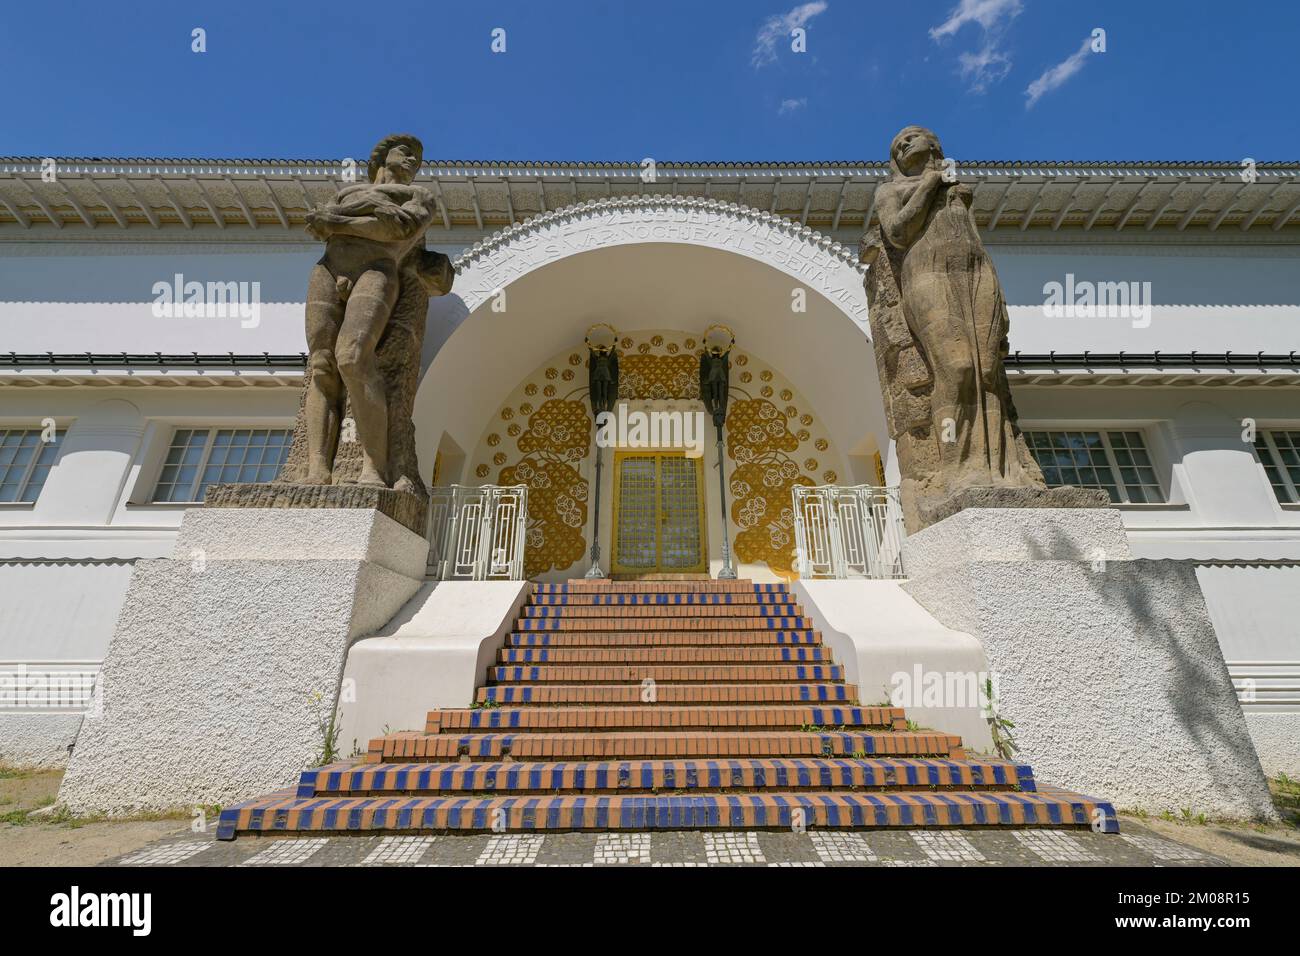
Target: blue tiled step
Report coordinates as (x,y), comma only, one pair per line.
(411,779)
(659,639)
(688,654)
(285,812)
(681,673)
(666,693)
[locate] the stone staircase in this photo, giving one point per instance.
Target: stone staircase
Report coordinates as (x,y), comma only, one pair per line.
(637,705)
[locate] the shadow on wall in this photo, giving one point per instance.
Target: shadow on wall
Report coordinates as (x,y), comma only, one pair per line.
(1197,679)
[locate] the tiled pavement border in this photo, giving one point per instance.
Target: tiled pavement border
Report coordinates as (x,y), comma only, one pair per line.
(685,848)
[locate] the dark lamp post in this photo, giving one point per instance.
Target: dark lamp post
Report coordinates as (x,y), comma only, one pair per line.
(715,382)
(602,392)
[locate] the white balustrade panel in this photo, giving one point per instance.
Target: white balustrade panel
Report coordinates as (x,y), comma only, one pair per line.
(848,532)
(476,533)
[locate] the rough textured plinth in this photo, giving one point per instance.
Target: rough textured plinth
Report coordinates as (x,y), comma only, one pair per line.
(221,671)
(934,508)
(1109,667)
(406,508)
(1031,534)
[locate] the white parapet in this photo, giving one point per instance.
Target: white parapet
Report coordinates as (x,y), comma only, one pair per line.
(223,671)
(893,649)
(1108,666)
(434,653)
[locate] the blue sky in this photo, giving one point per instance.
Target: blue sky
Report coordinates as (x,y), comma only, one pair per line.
(669,80)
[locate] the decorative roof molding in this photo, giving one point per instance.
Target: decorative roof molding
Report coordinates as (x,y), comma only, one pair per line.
(1160,369)
(148,166)
(583,210)
(477,197)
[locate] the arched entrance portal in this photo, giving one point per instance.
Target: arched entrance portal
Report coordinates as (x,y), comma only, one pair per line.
(659,270)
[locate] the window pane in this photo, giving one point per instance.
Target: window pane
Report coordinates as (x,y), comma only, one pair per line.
(1282,464)
(25,462)
(1136,471)
(236,455)
(1079,458)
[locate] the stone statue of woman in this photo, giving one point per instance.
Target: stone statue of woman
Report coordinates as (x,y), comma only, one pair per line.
(939,324)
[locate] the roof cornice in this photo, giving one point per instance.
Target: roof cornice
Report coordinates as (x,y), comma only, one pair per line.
(836,198)
(631,170)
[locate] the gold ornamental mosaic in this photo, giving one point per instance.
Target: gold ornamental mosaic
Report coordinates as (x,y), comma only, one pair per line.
(542,437)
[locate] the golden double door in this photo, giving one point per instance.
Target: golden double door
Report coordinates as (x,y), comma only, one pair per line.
(658,513)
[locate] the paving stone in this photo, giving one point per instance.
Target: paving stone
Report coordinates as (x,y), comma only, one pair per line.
(970,847)
(1163,849)
(613,848)
(510,849)
(1055,846)
(943,846)
(164,854)
(839,846)
(291,852)
(399,850)
(732,847)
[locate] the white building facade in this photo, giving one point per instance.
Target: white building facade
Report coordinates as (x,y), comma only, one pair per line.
(1177,391)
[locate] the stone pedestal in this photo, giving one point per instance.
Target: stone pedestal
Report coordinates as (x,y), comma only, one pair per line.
(1109,666)
(228,655)
(406,508)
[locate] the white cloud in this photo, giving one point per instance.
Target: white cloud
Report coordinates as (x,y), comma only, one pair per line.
(984,68)
(789,106)
(989,65)
(986,13)
(1055,77)
(777,28)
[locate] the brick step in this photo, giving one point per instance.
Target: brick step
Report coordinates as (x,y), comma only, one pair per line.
(734,637)
(663,639)
(411,746)
(743,599)
(283,812)
(661,717)
(681,673)
(658,624)
(662,655)
(666,576)
(879,774)
(531,611)
(605,586)
(543,695)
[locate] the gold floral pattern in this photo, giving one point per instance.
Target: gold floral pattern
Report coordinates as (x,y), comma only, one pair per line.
(546,446)
(554,443)
(659,376)
(761,444)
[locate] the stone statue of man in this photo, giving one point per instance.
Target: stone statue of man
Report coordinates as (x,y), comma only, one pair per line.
(368,231)
(939,327)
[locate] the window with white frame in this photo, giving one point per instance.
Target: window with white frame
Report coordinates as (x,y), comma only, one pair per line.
(199,457)
(1115,461)
(1279,453)
(26,456)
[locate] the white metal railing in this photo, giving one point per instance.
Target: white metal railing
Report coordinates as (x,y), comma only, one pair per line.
(476,533)
(1264,684)
(848,532)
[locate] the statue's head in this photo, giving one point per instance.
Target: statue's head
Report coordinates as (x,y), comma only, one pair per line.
(913,149)
(399,155)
